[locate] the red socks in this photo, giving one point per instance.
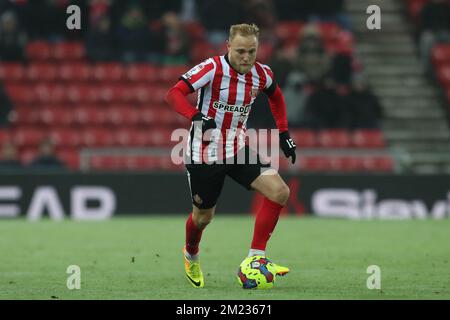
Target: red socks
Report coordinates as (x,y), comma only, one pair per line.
(193,236)
(266,220)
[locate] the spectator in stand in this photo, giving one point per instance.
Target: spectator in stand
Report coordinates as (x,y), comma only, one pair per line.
(341,69)
(12,39)
(434,26)
(217,16)
(312,58)
(5,107)
(47,157)
(326,108)
(364,107)
(100,41)
(134,36)
(9,159)
(176,40)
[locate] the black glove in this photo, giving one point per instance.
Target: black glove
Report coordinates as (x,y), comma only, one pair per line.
(207,122)
(287,145)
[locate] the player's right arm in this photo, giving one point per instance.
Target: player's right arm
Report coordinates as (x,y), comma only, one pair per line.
(196,78)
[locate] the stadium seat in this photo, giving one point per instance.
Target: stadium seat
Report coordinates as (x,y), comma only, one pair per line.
(64,51)
(55,116)
(314,163)
(347,163)
(199,52)
(336,138)
(46,93)
(96,137)
(107,72)
(5,135)
(440,54)
(27,154)
(122,116)
(141,73)
(38,50)
(170,74)
(195,30)
(20,94)
(379,163)
(289,31)
(304,138)
(11,72)
(158,94)
(70,157)
(86,115)
(443,74)
(41,72)
(65,137)
(28,136)
(74,72)
(368,139)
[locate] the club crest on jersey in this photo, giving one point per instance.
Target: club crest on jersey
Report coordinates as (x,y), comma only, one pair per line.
(254,92)
(231,108)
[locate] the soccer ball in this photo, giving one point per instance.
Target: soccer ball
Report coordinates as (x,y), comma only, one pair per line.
(256,272)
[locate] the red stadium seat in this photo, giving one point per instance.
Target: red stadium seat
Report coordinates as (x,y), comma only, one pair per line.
(304,138)
(289,31)
(41,72)
(328,30)
(170,74)
(38,50)
(96,137)
(27,154)
(160,137)
(368,139)
(49,93)
(122,116)
(157,94)
(20,93)
(108,72)
(29,136)
(199,52)
(334,138)
(379,163)
(148,116)
(443,74)
(11,72)
(314,163)
(440,54)
(5,135)
(131,137)
(141,73)
(70,157)
(89,116)
(74,72)
(65,137)
(55,116)
(68,51)
(347,163)
(195,30)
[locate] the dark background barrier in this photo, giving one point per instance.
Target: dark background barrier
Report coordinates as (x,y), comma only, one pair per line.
(105,194)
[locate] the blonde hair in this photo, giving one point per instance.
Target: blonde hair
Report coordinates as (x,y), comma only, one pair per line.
(244,29)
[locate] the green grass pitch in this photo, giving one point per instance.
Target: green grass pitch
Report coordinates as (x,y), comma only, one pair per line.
(140,258)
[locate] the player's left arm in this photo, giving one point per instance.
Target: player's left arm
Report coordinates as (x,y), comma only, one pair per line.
(278,108)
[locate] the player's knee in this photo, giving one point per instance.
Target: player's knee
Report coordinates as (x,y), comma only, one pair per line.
(203,218)
(281,194)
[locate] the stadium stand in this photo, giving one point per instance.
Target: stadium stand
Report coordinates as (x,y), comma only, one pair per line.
(86,106)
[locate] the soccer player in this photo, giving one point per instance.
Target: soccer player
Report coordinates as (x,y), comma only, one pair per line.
(228,86)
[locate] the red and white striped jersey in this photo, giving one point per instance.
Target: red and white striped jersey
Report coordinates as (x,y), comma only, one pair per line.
(226,96)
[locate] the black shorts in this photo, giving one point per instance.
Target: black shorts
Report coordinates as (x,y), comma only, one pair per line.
(206,180)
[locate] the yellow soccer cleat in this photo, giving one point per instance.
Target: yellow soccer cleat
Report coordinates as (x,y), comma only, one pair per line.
(193,271)
(280,270)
